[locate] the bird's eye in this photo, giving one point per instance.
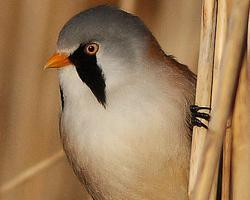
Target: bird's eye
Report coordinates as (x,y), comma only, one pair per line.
(91,49)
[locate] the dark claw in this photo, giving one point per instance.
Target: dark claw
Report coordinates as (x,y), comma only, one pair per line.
(194,108)
(197,122)
(194,114)
(201,115)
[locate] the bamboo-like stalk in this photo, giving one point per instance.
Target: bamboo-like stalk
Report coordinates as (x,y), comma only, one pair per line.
(30,172)
(226,170)
(204,82)
(241,140)
(231,60)
(221,30)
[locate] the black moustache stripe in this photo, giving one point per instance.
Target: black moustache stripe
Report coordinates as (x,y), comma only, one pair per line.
(90,73)
(62,98)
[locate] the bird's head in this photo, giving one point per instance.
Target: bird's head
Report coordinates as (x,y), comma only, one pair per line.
(101,47)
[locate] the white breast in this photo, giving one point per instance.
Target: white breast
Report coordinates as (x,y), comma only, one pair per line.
(136,148)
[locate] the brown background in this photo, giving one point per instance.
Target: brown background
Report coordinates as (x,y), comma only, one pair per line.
(29,103)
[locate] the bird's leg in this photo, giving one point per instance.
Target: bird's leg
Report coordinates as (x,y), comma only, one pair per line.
(195,115)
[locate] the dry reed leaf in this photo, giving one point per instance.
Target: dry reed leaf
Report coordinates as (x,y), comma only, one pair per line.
(128,5)
(30,172)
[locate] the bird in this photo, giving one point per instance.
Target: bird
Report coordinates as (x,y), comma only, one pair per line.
(125,119)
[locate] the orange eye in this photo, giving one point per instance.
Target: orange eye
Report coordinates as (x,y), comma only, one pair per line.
(91,49)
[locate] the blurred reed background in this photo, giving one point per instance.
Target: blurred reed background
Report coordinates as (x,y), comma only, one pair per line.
(30,97)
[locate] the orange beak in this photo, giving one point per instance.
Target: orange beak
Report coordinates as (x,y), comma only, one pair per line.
(57,61)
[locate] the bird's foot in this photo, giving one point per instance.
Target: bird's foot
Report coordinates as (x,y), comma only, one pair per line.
(195,115)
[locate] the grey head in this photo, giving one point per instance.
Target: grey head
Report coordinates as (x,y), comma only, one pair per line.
(118,40)
(104,24)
